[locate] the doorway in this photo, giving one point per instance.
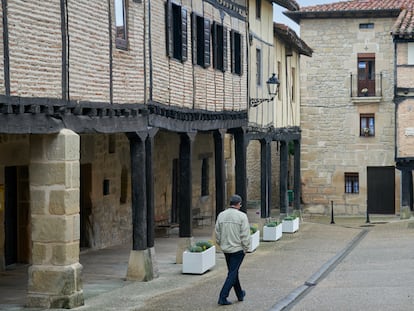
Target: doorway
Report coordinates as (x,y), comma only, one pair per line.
(17,215)
(381,190)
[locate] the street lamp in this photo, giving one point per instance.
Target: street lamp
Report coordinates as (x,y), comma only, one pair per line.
(273,84)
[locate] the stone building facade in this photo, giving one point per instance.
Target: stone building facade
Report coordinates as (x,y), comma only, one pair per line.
(115,117)
(274,119)
(348,109)
(403,36)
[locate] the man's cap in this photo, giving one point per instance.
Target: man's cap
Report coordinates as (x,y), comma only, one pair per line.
(235,199)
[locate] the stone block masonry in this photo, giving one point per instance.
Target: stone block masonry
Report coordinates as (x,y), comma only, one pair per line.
(55,276)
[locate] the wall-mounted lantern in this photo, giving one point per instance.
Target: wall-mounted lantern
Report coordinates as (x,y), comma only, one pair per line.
(273,84)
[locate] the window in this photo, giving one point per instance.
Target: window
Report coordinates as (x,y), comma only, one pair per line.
(219,47)
(236,52)
(366,26)
(204,177)
(176,31)
(410,60)
(258,67)
(293,84)
(366,74)
(121,38)
(367,125)
(258,9)
(351,183)
(279,70)
(201,40)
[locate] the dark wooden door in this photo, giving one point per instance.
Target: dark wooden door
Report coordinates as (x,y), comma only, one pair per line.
(86,230)
(366,77)
(381,190)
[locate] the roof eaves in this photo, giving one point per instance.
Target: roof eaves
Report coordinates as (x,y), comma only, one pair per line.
(291,5)
(290,37)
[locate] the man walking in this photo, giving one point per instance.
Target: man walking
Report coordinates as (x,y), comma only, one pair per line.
(233,236)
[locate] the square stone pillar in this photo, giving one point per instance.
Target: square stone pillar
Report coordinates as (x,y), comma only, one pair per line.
(55,274)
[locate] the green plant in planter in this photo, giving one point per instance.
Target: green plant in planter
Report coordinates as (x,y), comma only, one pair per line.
(292,217)
(272,224)
(200,246)
(253,229)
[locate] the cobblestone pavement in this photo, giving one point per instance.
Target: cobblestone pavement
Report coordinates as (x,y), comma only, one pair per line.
(349,265)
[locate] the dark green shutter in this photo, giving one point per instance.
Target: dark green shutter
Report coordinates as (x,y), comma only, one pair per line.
(224,44)
(207,28)
(183,34)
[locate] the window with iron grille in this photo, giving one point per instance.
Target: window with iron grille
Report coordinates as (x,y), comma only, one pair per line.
(121,37)
(201,40)
(176,28)
(351,183)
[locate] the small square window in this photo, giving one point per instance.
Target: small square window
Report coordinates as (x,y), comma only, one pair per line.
(351,183)
(366,26)
(367,125)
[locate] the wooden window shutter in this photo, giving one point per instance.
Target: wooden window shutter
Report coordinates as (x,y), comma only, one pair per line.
(232,51)
(241,55)
(214,36)
(207,28)
(224,48)
(183,34)
(194,37)
(169,28)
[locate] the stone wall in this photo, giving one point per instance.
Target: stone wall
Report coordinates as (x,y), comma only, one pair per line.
(331,144)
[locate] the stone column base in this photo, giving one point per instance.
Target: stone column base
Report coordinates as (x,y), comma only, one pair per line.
(155,270)
(183,244)
(405,212)
(55,286)
(140,267)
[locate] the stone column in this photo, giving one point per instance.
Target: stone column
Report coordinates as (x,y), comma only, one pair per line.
(55,275)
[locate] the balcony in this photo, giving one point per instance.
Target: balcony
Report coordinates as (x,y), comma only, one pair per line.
(367,90)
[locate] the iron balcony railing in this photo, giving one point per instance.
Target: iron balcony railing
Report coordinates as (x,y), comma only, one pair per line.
(366,88)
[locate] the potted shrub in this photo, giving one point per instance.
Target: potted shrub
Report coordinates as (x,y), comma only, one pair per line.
(254,238)
(199,257)
(290,224)
(272,231)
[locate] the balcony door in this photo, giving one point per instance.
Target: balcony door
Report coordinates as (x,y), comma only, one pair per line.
(366,74)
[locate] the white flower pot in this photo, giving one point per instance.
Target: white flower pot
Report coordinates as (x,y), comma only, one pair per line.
(254,241)
(198,263)
(291,226)
(272,233)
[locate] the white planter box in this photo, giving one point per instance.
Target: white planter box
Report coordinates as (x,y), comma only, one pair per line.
(254,241)
(272,233)
(198,263)
(291,226)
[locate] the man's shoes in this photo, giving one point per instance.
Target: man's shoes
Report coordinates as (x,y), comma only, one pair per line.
(241,298)
(224,302)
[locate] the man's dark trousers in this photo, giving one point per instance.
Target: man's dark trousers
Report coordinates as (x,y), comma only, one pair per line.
(234,261)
